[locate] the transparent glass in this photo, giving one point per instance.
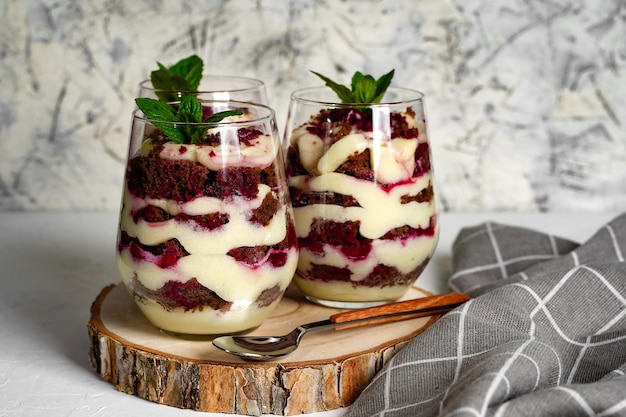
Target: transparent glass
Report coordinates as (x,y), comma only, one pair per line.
(362,189)
(216,87)
(206,241)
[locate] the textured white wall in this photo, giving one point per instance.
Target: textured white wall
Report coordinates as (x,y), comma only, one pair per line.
(526,98)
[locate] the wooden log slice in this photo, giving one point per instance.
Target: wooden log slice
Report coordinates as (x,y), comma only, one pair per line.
(328,371)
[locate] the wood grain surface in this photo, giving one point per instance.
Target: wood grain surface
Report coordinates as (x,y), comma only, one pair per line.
(327,371)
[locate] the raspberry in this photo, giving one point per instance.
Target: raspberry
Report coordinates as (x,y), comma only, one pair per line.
(169,253)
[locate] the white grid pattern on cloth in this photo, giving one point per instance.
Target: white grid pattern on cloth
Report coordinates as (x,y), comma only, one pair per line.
(459,348)
(486,235)
(614,409)
(579,400)
(618,251)
(520,349)
(501,264)
(496,250)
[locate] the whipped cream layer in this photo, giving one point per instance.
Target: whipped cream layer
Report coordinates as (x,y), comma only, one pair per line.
(378,211)
(376,180)
(208,256)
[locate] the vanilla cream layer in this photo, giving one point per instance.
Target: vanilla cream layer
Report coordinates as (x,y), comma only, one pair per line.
(204,322)
(208,261)
(344,291)
(239,231)
(222,274)
(405,255)
(380,210)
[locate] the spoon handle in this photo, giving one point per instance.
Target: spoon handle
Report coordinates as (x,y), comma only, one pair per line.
(402,310)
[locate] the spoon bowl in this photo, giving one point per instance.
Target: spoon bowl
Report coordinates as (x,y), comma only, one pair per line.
(262,348)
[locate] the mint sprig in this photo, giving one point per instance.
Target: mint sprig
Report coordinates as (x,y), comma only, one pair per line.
(184,123)
(183,76)
(363,88)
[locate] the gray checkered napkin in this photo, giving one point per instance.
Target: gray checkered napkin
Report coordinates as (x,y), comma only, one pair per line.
(543,335)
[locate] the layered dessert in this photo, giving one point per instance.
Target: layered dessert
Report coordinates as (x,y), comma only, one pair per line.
(206,242)
(362,190)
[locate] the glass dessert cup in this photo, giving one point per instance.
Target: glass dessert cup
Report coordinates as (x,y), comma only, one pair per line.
(362,189)
(206,242)
(215,87)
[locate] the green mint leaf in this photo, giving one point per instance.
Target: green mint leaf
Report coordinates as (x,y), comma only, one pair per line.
(218,117)
(166,79)
(184,117)
(172,131)
(169,83)
(183,76)
(189,127)
(162,116)
(190,69)
(190,105)
(181,123)
(343,92)
(198,135)
(155,109)
(381,86)
(356,78)
(363,88)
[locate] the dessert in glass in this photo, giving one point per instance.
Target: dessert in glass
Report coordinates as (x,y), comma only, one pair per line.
(362,189)
(206,242)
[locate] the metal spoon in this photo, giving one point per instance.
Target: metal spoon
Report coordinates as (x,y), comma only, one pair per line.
(271,347)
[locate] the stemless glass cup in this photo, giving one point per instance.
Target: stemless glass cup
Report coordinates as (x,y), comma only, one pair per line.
(206,242)
(362,190)
(216,87)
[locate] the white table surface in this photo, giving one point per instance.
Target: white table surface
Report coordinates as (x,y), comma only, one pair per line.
(55,264)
